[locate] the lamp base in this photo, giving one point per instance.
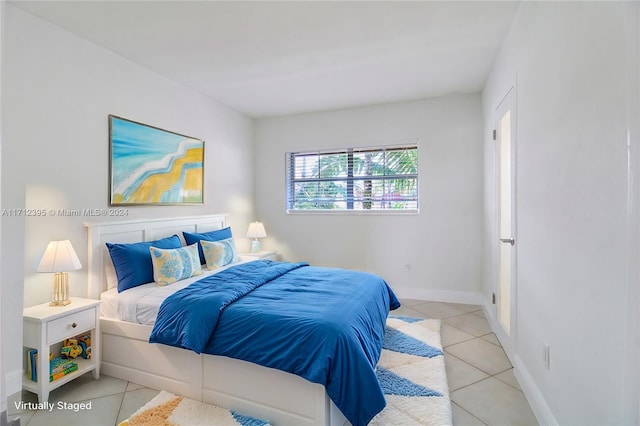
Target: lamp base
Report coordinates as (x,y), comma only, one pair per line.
(255,246)
(60,296)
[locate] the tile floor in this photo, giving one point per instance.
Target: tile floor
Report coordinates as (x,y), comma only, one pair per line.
(483,388)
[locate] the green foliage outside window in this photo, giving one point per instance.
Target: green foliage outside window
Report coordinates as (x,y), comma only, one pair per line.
(353,179)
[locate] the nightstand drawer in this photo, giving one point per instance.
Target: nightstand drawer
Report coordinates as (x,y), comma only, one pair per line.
(70,325)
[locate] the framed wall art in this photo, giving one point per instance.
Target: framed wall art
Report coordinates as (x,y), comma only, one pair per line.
(149,165)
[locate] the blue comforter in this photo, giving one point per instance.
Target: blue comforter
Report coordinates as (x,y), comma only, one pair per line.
(323,324)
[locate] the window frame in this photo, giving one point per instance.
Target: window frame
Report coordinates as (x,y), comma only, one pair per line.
(350,180)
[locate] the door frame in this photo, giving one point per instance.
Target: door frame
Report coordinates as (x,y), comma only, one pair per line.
(507,339)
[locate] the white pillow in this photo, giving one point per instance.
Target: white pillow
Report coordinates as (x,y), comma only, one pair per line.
(110,273)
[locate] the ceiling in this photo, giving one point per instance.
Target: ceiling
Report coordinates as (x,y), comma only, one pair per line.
(269,58)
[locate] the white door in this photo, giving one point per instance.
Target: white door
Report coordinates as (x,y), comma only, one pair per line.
(505,150)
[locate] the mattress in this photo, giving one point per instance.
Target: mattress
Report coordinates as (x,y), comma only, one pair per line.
(140,304)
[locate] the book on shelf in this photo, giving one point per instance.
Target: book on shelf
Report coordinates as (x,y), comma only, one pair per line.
(58,367)
(33,365)
(63,373)
(59,364)
(28,364)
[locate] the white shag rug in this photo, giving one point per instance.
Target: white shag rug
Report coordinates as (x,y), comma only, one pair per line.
(168,409)
(411,372)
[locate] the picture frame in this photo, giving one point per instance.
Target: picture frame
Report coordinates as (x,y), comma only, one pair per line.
(152,166)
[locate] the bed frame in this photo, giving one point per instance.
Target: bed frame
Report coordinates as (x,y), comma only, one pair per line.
(267,393)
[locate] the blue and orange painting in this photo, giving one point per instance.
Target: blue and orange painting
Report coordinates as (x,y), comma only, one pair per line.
(154,166)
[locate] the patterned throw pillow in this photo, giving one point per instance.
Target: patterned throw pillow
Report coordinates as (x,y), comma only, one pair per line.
(217,235)
(132,261)
(219,253)
(172,265)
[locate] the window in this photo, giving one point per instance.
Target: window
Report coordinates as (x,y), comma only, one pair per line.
(361,179)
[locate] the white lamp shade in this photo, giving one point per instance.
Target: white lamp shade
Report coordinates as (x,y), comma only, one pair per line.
(59,257)
(256,230)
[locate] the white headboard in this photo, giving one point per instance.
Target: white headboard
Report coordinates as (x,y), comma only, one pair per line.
(135,231)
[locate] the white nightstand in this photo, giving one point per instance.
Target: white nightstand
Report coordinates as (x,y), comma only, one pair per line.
(261,255)
(46,325)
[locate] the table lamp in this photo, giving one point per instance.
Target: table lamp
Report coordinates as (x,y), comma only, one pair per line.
(255,231)
(59,258)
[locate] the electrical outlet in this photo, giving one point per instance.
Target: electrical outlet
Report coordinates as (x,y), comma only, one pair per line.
(547,356)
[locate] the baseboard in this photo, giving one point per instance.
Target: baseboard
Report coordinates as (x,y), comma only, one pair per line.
(536,400)
(14,382)
(448,296)
(4,420)
(13,385)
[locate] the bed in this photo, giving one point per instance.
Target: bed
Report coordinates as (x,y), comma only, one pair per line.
(249,388)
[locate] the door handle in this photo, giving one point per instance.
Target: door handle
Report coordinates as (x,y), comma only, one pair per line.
(511,240)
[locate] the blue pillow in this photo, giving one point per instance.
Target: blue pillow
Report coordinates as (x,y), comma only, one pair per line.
(192,238)
(132,262)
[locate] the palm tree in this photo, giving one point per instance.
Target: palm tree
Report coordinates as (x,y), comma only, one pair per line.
(342,178)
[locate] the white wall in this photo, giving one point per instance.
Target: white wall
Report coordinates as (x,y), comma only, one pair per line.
(58,90)
(3,391)
(576,67)
(441,245)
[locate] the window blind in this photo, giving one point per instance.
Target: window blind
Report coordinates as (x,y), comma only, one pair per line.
(374,178)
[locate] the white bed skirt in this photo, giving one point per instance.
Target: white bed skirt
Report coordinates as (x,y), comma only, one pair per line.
(262,392)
